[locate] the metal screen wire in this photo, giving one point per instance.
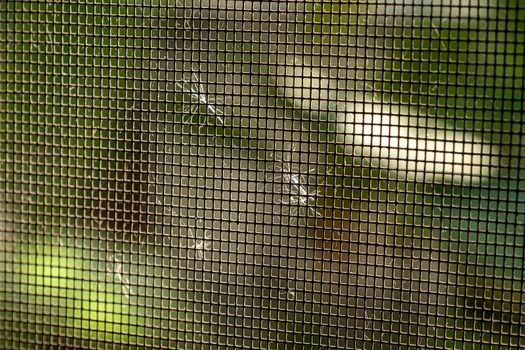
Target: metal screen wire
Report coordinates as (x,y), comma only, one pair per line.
(262,175)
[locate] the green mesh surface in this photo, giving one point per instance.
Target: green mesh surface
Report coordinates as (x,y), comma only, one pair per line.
(262,175)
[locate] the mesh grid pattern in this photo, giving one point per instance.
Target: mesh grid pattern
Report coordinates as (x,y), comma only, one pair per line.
(262,175)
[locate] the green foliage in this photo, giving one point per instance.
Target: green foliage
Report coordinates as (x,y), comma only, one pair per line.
(74,293)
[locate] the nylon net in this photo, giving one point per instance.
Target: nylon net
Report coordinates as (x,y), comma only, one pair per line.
(262,174)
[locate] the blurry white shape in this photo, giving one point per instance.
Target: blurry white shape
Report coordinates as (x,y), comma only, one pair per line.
(451,9)
(412,146)
(422,153)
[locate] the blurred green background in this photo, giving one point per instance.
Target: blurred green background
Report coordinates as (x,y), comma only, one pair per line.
(91,135)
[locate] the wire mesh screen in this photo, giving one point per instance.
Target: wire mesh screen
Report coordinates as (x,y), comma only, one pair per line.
(262,174)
